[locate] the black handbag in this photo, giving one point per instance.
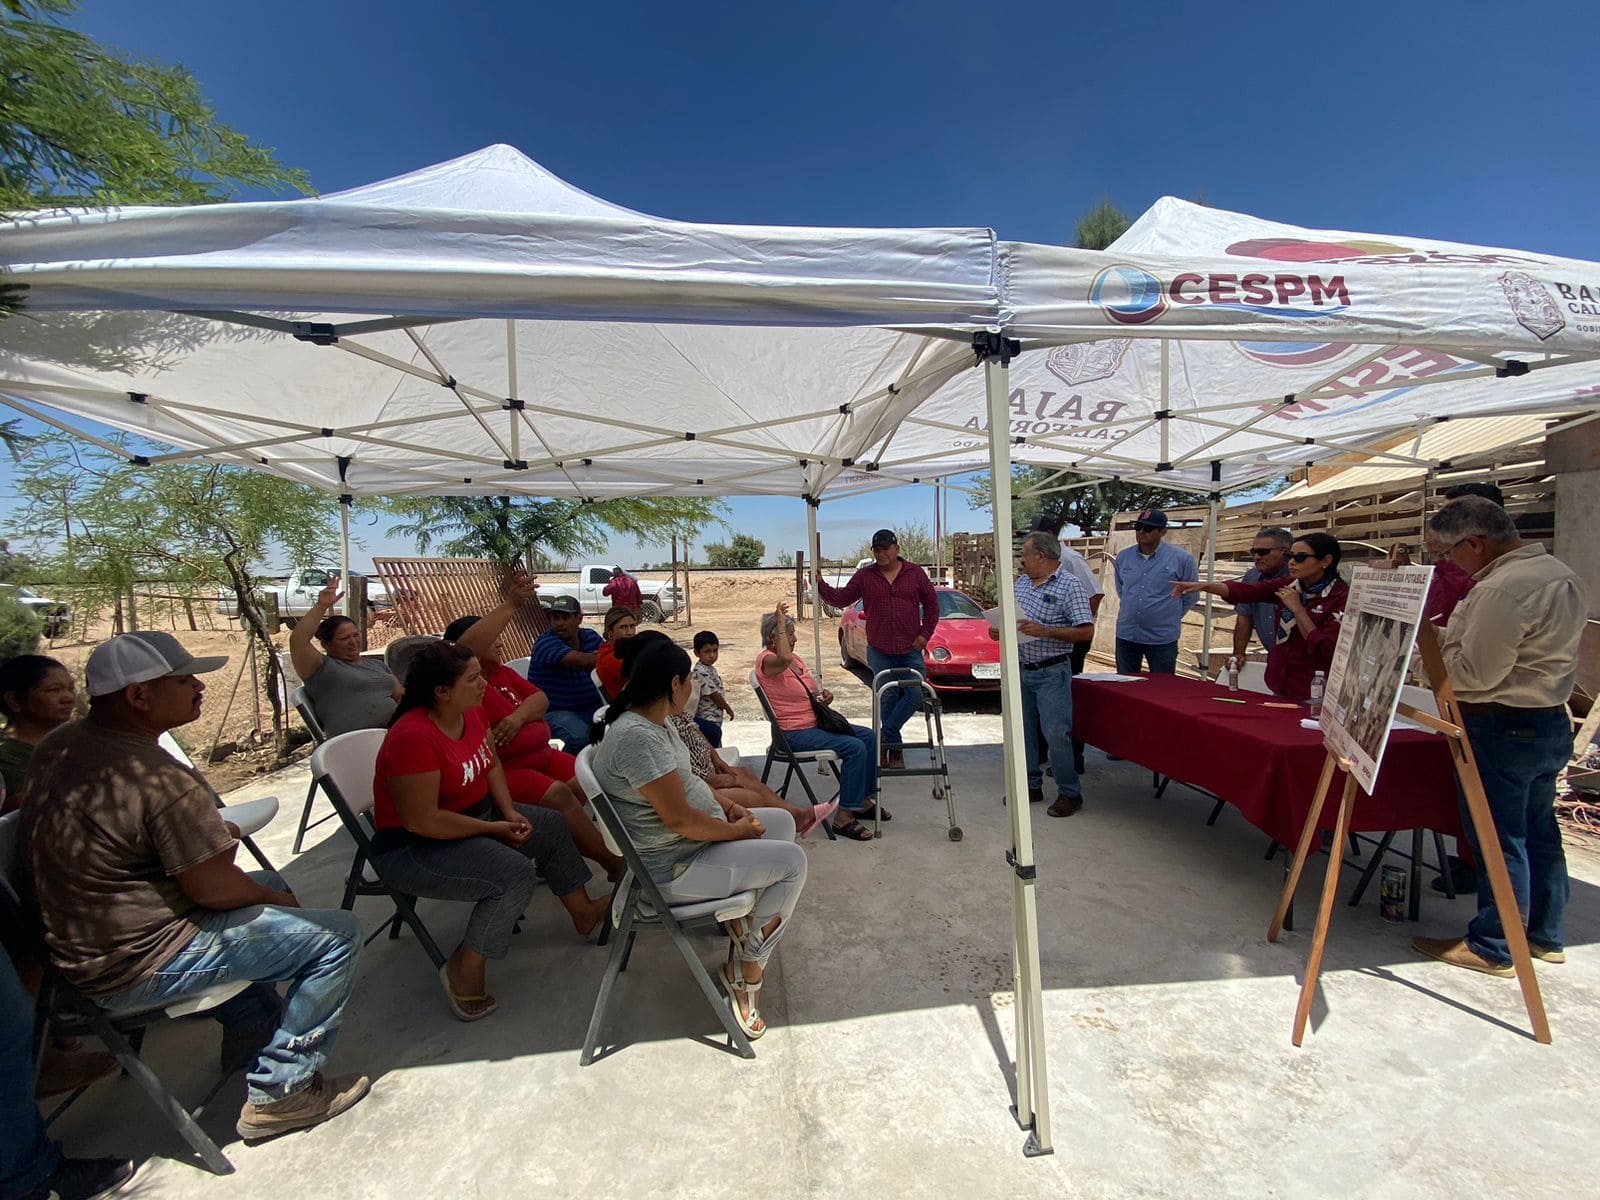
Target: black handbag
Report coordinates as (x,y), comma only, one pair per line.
(827,720)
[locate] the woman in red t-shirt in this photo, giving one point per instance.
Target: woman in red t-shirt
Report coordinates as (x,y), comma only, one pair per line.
(448,829)
(536,772)
(620,625)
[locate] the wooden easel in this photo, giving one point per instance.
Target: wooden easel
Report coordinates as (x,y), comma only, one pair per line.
(1493,861)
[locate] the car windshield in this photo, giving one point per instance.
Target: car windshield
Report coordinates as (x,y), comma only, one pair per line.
(958,605)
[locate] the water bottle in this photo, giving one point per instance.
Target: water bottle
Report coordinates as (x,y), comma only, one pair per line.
(1233,674)
(1318,682)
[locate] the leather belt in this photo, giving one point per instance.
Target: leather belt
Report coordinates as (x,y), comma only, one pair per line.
(1048,662)
(1509,711)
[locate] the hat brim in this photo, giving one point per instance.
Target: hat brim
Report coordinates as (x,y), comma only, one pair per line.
(202,666)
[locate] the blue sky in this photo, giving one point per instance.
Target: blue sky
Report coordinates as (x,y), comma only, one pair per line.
(1464,121)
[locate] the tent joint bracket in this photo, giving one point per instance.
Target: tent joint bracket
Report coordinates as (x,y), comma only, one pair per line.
(995,345)
(1027,872)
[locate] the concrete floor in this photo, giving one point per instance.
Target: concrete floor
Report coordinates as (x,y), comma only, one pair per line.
(887,1070)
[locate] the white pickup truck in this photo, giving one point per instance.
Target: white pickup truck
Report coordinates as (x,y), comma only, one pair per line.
(661,600)
(299,593)
(834,577)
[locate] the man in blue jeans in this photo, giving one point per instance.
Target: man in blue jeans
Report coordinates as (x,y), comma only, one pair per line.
(1149,616)
(141,901)
(1511,649)
(559,665)
(901,610)
(1053,615)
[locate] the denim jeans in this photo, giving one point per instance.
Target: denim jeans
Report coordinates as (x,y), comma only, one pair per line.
(1047,706)
(27,1157)
(899,704)
(1163,657)
(858,760)
(571,727)
(316,950)
(1519,758)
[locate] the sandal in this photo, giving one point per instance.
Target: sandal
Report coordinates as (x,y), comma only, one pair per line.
(868,814)
(734,982)
(488,1003)
(854,830)
(819,814)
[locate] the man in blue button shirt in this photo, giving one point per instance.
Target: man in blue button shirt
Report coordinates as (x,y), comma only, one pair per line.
(1150,617)
(1270,553)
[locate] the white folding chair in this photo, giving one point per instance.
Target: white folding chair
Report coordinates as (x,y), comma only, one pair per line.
(308,715)
(520,666)
(251,816)
(639,905)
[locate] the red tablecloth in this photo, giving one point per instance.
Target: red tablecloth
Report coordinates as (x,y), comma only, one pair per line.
(1259,759)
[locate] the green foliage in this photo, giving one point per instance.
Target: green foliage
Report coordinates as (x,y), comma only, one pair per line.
(19,628)
(916,544)
(80,125)
(743,553)
(1088,508)
(1100,226)
(509,527)
(786,558)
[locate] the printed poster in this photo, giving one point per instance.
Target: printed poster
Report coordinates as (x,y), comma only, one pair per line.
(1376,638)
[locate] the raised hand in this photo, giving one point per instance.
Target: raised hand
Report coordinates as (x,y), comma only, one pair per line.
(329,596)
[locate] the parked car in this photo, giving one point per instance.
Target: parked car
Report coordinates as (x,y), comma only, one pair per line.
(56,616)
(296,597)
(961,656)
(660,599)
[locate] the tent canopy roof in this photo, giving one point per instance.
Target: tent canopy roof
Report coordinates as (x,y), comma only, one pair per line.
(480,326)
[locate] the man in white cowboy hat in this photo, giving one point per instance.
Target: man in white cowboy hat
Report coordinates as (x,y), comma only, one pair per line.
(141,900)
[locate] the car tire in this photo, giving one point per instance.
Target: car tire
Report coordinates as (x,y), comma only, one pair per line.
(651,611)
(844,655)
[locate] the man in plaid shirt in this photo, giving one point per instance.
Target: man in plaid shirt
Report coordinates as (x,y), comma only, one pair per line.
(1053,614)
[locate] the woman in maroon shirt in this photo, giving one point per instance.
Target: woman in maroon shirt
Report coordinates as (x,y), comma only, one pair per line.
(1310,607)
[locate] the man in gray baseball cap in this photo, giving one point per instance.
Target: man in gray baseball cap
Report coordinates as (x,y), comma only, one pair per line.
(143,905)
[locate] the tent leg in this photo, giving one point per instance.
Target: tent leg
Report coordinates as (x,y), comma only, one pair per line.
(813,548)
(344,552)
(1211,575)
(1033,1091)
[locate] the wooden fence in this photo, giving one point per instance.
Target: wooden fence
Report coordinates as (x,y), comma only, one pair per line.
(429,593)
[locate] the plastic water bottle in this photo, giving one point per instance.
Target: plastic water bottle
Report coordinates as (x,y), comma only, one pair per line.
(1318,682)
(1233,674)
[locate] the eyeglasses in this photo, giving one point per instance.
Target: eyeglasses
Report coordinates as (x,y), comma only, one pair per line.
(1301,557)
(1257,552)
(1145,528)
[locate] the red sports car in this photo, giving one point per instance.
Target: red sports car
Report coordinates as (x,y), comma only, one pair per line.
(961,656)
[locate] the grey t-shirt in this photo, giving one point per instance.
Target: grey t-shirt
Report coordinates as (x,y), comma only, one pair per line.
(347,696)
(635,752)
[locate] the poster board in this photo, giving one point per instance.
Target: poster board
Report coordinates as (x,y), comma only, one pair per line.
(1377,634)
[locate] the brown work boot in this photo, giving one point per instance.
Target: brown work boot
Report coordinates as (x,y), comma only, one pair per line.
(1457,953)
(894,760)
(1065,806)
(321,1101)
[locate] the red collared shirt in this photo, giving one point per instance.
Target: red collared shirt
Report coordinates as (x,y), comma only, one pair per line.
(897,613)
(1293,661)
(1448,588)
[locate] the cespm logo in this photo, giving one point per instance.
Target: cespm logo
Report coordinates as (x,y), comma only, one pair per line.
(1130,295)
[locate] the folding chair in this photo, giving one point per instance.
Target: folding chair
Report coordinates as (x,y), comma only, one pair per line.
(251,816)
(594,677)
(308,715)
(795,761)
(343,767)
(642,907)
(520,666)
(69,1012)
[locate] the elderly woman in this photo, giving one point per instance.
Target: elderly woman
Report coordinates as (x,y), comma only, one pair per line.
(693,847)
(730,785)
(346,690)
(1309,607)
(789,688)
(536,772)
(448,827)
(619,625)
(36,696)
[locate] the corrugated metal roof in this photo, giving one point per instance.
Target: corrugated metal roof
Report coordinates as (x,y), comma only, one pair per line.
(1450,441)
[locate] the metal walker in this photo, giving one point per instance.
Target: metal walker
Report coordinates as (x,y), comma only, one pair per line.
(898,678)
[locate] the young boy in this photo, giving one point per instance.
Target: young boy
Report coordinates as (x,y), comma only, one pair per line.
(713,704)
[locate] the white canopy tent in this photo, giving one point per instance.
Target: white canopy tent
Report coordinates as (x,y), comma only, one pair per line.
(480,327)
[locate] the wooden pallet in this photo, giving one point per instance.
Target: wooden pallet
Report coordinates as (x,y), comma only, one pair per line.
(429,593)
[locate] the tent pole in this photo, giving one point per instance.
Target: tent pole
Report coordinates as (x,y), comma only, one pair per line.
(1033,1092)
(814,548)
(1211,561)
(344,550)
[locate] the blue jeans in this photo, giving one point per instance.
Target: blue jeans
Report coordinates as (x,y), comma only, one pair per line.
(315,949)
(899,704)
(858,761)
(1163,659)
(711,729)
(1519,758)
(27,1157)
(571,727)
(1047,706)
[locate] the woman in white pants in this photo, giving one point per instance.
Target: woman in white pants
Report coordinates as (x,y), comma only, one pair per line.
(694,847)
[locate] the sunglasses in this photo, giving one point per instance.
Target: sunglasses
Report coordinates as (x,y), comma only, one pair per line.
(1145,528)
(1256,552)
(1301,557)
